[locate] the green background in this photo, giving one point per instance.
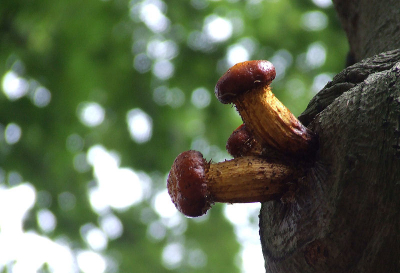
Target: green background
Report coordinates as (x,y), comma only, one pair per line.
(107,54)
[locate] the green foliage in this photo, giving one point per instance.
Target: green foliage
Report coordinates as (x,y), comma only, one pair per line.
(105,52)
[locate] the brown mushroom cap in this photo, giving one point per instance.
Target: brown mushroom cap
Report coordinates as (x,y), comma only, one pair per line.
(241,143)
(243,77)
(187,184)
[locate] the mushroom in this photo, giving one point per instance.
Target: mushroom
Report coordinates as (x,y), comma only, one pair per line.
(241,143)
(195,184)
(246,85)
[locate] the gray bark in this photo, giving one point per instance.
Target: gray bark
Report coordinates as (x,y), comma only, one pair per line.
(345,214)
(372,26)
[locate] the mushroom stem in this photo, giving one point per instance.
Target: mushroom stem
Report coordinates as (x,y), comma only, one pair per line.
(248,179)
(194,184)
(272,123)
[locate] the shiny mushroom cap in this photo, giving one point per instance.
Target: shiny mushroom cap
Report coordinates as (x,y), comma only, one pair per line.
(242,77)
(187,184)
(241,142)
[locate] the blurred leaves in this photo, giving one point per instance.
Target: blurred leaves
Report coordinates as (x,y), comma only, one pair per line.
(151,56)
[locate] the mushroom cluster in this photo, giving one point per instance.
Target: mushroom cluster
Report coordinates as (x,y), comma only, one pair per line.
(268,148)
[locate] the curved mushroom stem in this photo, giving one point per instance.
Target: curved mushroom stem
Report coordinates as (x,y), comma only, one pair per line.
(272,123)
(246,85)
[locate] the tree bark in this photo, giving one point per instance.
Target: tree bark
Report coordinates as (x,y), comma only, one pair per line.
(372,26)
(345,216)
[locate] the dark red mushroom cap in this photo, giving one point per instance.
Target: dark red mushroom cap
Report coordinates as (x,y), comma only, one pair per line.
(243,77)
(240,142)
(187,184)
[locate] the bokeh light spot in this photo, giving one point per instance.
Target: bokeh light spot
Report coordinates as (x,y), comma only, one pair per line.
(314,20)
(41,97)
(66,201)
(160,95)
(197,258)
(295,87)
(172,255)
(218,29)
(173,97)
(91,262)
(316,55)
(94,237)
(163,205)
(140,125)
(199,4)
(156,231)
(163,69)
(142,63)
(112,226)
(74,143)
(91,114)
(97,201)
(252,258)
(244,218)
(46,220)
(323,3)
(281,60)
(123,188)
(201,144)
(14,178)
(12,133)
(162,49)
(43,199)
(201,97)
(151,14)
(80,163)
(14,87)
(236,54)
(116,187)
(18,200)
(28,252)
(241,51)
(198,40)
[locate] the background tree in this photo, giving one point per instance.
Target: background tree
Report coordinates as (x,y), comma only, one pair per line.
(345,214)
(97,99)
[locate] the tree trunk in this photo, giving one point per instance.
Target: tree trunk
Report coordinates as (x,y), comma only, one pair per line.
(346,213)
(372,26)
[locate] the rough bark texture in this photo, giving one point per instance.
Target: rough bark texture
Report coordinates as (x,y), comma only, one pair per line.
(346,212)
(345,215)
(372,26)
